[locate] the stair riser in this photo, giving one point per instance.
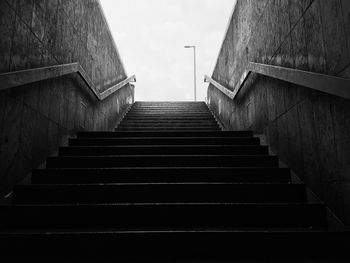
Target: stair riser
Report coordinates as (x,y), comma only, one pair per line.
(168,118)
(169,125)
(167,129)
(193,113)
(161,161)
(240,246)
(171,117)
(174,118)
(170,114)
(162,216)
(188,105)
(160,175)
(178,127)
(166,150)
(181,108)
(164,141)
(150,119)
(160,193)
(177,110)
(244,134)
(170,103)
(177,105)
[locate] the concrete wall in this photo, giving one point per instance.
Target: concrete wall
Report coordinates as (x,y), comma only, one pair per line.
(309,130)
(35,119)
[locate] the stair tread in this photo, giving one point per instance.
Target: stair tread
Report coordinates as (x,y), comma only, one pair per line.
(161,174)
(160,193)
(213,168)
(178,246)
(173,155)
(164,149)
(162,160)
(164,215)
(165,146)
(162,231)
(193,204)
(163,184)
(165,140)
(172,137)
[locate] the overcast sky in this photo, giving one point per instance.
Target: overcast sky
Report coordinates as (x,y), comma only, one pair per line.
(150,36)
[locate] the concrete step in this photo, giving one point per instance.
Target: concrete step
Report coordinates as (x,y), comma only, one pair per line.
(169,122)
(170,104)
(163,141)
(160,193)
(185,112)
(164,150)
(167,125)
(251,246)
(168,118)
(161,175)
(146,109)
(170,112)
(170,115)
(162,161)
(200,107)
(169,129)
(177,109)
(161,216)
(165,134)
(178,105)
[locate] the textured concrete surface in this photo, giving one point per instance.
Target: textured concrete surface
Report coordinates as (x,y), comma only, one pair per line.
(308,129)
(35,119)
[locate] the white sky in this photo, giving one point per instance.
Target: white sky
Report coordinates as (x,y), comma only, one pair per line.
(151,34)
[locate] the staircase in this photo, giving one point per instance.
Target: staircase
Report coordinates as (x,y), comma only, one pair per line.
(167,185)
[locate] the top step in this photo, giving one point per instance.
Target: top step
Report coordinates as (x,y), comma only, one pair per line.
(170,105)
(159,103)
(169,117)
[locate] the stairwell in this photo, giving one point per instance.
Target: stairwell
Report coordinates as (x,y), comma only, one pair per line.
(170,185)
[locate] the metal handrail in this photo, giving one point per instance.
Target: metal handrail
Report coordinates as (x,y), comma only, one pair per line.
(329,84)
(22,77)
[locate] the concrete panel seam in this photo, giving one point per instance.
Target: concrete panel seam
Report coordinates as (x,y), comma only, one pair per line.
(31,30)
(346,40)
(287,110)
(290,32)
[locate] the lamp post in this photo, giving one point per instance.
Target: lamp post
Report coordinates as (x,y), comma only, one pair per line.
(194,63)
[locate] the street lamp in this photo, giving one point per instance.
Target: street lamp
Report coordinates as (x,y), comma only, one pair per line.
(194,62)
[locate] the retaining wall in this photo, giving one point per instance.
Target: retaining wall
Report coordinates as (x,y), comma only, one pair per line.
(35,119)
(309,130)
